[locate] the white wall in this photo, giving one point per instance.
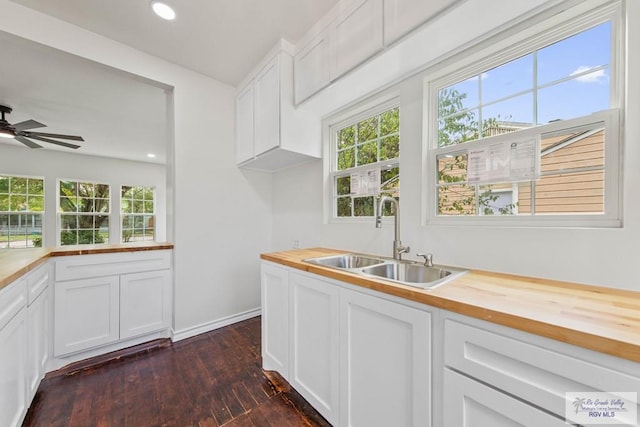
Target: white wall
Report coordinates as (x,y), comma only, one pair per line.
(604,257)
(54,165)
(220,216)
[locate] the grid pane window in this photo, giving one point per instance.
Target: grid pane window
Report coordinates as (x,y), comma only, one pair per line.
(21,211)
(371,144)
(560,95)
(567,79)
(138,214)
(84,209)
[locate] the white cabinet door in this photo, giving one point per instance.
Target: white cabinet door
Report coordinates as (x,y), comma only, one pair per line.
(311,67)
(86,313)
(244,124)
(145,303)
(267,108)
(468,403)
(13,370)
(39,339)
(356,35)
(385,363)
(402,16)
(313,332)
(275,319)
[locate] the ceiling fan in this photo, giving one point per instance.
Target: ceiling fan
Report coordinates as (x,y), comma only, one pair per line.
(20,132)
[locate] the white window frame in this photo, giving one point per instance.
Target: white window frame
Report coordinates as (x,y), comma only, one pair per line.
(122,214)
(60,213)
(41,213)
(510,47)
(331,126)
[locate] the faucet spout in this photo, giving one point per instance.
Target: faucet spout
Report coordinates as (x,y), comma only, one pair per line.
(398,248)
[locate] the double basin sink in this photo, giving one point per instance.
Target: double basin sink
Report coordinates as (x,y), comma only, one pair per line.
(409,273)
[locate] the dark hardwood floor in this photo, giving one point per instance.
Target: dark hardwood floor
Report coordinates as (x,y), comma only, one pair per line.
(213,379)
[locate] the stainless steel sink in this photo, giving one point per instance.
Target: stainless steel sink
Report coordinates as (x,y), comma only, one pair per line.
(409,273)
(346,261)
(413,274)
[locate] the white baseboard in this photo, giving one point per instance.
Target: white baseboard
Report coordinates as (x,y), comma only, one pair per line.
(216,324)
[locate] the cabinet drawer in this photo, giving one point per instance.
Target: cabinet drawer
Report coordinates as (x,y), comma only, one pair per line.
(468,403)
(536,374)
(97,265)
(37,281)
(12,299)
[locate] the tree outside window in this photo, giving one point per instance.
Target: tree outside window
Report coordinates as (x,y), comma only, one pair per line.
(370,144)
(21,211)
(138,213)
(562,82)
(84,213)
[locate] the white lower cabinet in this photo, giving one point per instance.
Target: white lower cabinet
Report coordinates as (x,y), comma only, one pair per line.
(105,300)
(313,332)
(145,302)
(24,342)
(39,345)
(384,362)
(98,300)
(365,359)
(86,313)
(469,403)
(358,359)
(13,370)
(513,378)
(275,319)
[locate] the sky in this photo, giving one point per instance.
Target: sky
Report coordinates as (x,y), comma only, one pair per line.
(562,92)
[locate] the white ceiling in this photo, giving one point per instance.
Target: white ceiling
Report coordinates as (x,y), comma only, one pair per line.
(118,114)
(222,39)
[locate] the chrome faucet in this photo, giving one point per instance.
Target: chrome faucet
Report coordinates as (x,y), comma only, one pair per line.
(428,259)
(398,249)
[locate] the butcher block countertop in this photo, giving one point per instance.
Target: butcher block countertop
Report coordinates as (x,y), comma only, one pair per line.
(597,318)
(14,263)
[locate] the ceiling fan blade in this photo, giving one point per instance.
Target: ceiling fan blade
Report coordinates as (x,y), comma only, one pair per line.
(51,141)
(26,142)
(55,135)
(27,124)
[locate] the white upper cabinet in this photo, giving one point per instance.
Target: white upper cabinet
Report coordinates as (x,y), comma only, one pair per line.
(244,124)
(267,103)
(356,34)
(311,66)
(272,134)
(402,16)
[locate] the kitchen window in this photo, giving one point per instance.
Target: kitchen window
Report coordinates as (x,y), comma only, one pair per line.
(365,163)
(529,134)
(138,213)
(84,209)
(21,211)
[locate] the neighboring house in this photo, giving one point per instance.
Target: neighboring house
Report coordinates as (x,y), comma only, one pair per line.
(572,179)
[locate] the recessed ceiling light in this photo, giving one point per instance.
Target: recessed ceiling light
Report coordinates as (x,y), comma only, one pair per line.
(151,156)
(163,10)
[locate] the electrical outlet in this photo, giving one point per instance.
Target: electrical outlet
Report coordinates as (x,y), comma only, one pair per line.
(296,244)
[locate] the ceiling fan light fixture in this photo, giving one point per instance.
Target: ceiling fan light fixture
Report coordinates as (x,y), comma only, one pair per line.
(6,133)
(163,10)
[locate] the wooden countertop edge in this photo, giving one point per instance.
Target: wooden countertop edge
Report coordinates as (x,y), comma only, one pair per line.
(110,249)
(602,344)
(23,270)
(42,257)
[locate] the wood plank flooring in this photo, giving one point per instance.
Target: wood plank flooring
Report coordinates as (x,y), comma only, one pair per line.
(213,379)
